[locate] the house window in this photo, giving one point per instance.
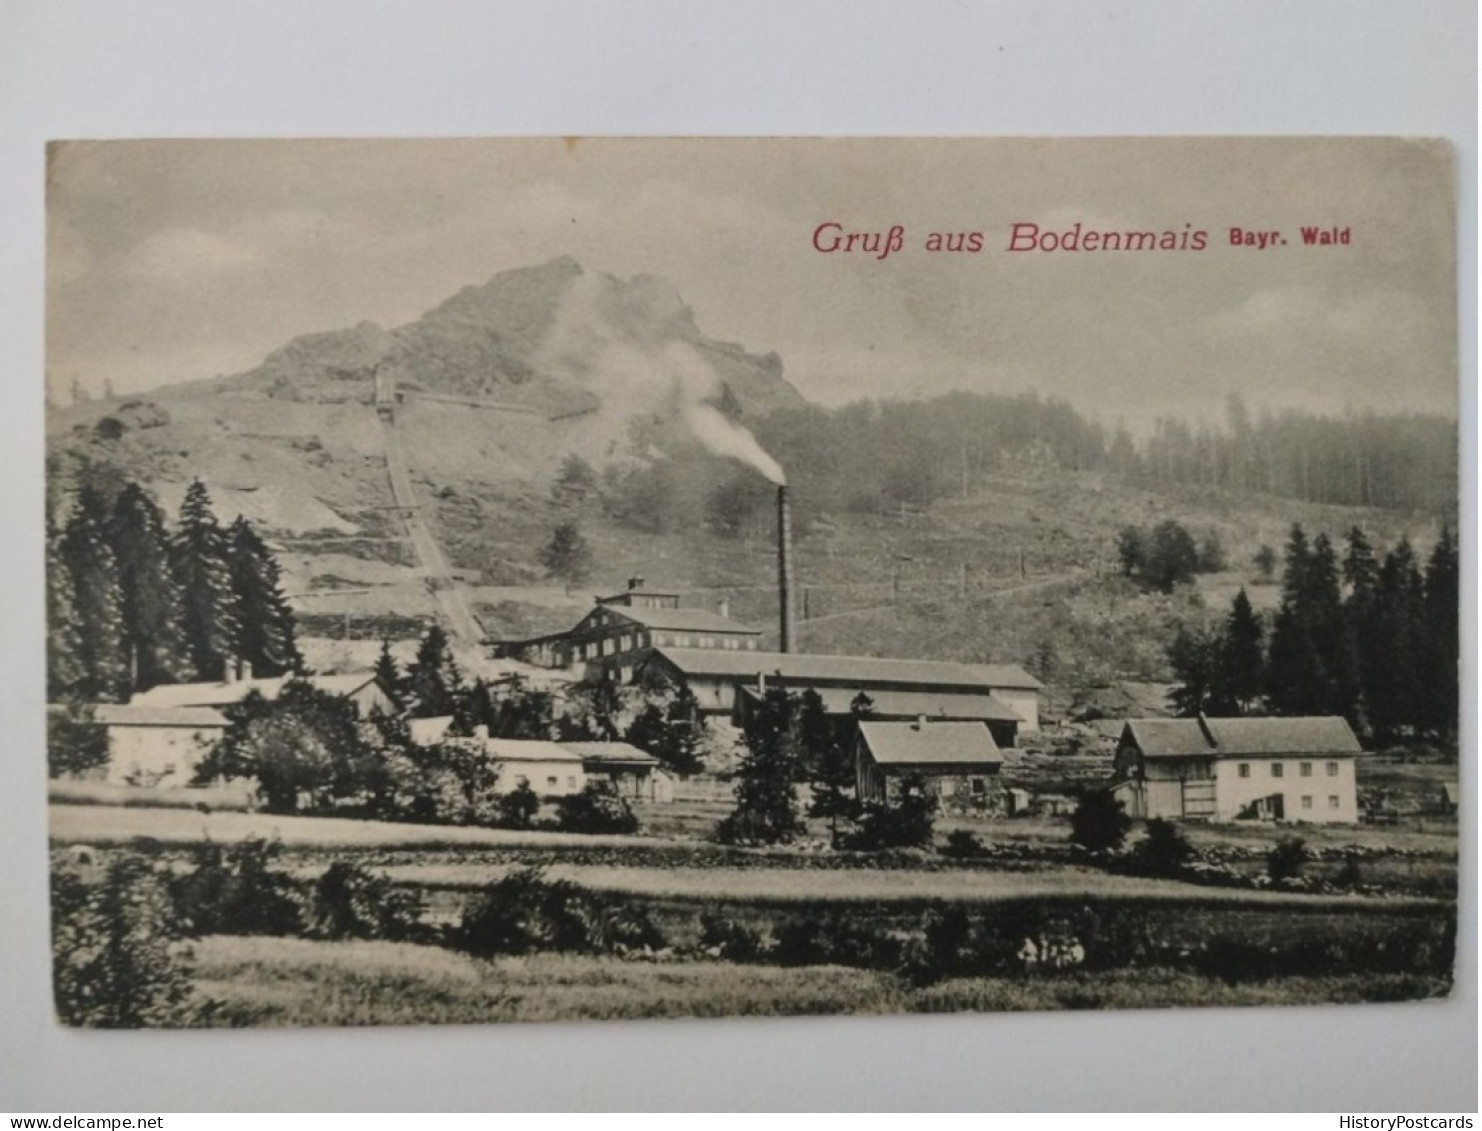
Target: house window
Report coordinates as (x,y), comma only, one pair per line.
(570,783)
(551,782)
(751,645)
(1243,769)
(1306,769)
(1277,769)
(1306,801)
(979,785)
(1332,769)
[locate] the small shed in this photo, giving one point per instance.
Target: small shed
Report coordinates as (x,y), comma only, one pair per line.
(958,761)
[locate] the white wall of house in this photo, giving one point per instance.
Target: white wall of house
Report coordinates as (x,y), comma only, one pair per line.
(1314,788)
(157,755)
(549,779)
(1026,702)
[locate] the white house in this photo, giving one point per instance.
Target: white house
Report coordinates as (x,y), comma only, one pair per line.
(1282,769)
(157,745)
(361,688)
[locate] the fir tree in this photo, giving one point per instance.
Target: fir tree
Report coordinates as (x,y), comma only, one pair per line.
(154,639)
(202,563)
(97,601)
(1197,659)
(1297,680)
(1244,665)
(766,798)
(1441,687)
(266,630)
(1395,686)
(64,666)
(388,674)
(433,682)
(829,765)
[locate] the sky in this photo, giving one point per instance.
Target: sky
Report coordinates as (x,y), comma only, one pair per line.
(176,260)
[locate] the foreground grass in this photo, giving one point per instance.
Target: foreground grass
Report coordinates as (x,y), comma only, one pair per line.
(294,982)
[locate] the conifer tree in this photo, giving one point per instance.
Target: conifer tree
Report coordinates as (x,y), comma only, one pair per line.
(1398,610)
(96,600)
(1197,659)
(1441,686)
(64,670)
(200,554)
(433,681)
(154,640)
(388,674)
(1243,663)
(1297,680)
(766,799)
(266,634)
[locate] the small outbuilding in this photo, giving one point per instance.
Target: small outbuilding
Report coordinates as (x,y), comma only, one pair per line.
(958,762)
(633,773)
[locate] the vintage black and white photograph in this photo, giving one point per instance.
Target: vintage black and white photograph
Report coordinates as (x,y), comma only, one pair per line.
(600,579)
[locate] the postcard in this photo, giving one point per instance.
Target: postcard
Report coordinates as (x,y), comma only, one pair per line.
(538,579)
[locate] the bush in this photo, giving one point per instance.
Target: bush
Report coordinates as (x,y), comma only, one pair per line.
(348,902)
(721,937)
(524,913)
(963,844)
(945,948)
(117,958)
(1099,823)
(75,742)
(837,940)
(518,807)
(906,824)
(1287,858)
(1165,849)
(234,891)
(597,809)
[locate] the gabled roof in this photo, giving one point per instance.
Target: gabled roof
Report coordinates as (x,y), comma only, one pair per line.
(131,715)
(225,694)
(1009,677)
(917,744)
(525,750)
(801,669)
(429,732)
(619,753)
(677,620)
(1188,738)
(887,704)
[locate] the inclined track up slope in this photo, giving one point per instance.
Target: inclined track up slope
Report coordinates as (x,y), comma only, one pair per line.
(445,591)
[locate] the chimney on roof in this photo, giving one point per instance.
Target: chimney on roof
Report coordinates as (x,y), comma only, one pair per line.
(244,670)
(229,671)
(724,608)
(635,582)
(920,722)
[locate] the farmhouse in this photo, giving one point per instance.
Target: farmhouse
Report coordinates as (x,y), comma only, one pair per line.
(1281,769)
(362,688)
(157,745)
(733,683)
(958,762)
(620,631)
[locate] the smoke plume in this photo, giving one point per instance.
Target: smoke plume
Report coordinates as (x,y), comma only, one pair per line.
(630,344)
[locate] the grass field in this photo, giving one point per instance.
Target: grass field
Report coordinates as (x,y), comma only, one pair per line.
(272,981)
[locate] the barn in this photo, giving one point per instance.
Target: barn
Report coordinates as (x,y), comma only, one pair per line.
(958,762)
(1228,769)
(898,690)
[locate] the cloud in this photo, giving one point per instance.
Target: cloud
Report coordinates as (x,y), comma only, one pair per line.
(180,255)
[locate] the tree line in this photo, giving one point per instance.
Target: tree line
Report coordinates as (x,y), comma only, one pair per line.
(132,603)
(1371,637)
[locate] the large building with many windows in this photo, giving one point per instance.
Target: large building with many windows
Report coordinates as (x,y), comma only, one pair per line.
(625,627)
(1275,769)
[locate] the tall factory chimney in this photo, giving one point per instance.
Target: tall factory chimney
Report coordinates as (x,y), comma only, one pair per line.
(784,571)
